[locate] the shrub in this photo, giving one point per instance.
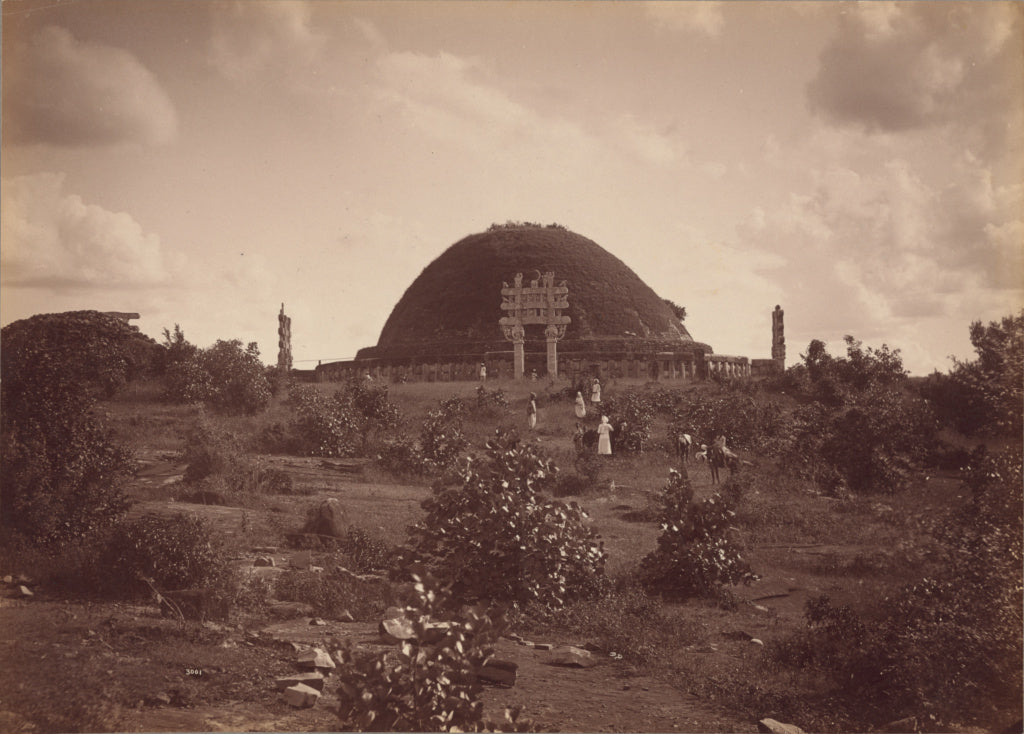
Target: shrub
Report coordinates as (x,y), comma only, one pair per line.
(422,687)
(490,402)
(174,553)
(695,555)
(949,645)
(225,376)
(402,457)
(632,414)
(496,536)
(213,452)
(62,473)
(331,594)
(748,424)
(340,425)
(442,440)
(983,397)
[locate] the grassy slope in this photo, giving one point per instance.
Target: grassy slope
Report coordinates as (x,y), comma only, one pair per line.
(855,550)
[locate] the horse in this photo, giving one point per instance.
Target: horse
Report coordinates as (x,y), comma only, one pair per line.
(719,457)
(684,443)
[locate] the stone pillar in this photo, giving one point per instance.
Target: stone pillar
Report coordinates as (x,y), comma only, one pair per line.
(778,338)
(284,341)
(552,357)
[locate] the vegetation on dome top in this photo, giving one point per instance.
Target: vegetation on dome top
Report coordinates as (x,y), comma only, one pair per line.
(457,297)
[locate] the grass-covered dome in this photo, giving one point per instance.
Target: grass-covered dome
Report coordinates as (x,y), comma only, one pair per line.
(454,305)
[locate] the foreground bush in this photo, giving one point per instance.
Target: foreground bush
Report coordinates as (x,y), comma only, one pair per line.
(695,555)
(168,553)
(497,536)
(62,474)
(429,685)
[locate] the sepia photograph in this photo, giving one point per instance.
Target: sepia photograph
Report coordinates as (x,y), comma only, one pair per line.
(512,365)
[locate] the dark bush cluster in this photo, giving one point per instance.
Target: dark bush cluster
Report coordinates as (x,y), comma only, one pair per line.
(342,424)
(62,474)
(949,645)
(632,414)
(747,423)
(171,553)
(226,376)
(216,454)
(497,536)
(696,554)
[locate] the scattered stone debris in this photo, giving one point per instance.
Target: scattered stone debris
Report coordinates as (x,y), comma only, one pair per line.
(542,646)
(771,726)
(301,696)
(396,627)
(263,561)
(572,657)
(757,641)
(346,616)
(501,672)
(25,591)
(313,680)
(317,622)
(315,658)
(901,726)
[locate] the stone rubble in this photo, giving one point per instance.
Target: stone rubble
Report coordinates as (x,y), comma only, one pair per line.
(301,696)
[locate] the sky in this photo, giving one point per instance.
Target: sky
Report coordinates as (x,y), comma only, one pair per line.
(201,163)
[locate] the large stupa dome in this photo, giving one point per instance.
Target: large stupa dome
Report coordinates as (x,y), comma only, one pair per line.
(452,309)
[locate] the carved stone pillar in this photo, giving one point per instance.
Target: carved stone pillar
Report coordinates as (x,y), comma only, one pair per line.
(553,332)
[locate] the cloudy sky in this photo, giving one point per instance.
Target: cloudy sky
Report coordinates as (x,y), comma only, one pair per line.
(203,162)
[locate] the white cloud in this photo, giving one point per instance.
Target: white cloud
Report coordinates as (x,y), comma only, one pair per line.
(64,91)
(252,38)
(907,66)
(54,239)
(692,16)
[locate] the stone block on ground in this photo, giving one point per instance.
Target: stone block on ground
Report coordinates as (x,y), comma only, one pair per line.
(263,561)
(571,657)
(313,680)
(301,696)
(502,672)
(289,609)
(315,658)
(396,630)
(771,726)
(328,519)
(25,591)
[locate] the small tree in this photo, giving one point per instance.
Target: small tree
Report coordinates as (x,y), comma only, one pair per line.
(226,376)
(497,536)
(984,396)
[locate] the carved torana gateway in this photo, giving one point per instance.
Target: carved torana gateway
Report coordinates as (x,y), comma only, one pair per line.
(541,302)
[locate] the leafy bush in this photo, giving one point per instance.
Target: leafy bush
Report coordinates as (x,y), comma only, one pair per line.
(62,474)
(340,425)
(695,554)
(174,553)
(213,452)
(496,536)
(984,396)
(442,440)
(425,686)
(225,376)
(331,594)
(949,645)
(632,414)
(748,424)
(490,402)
